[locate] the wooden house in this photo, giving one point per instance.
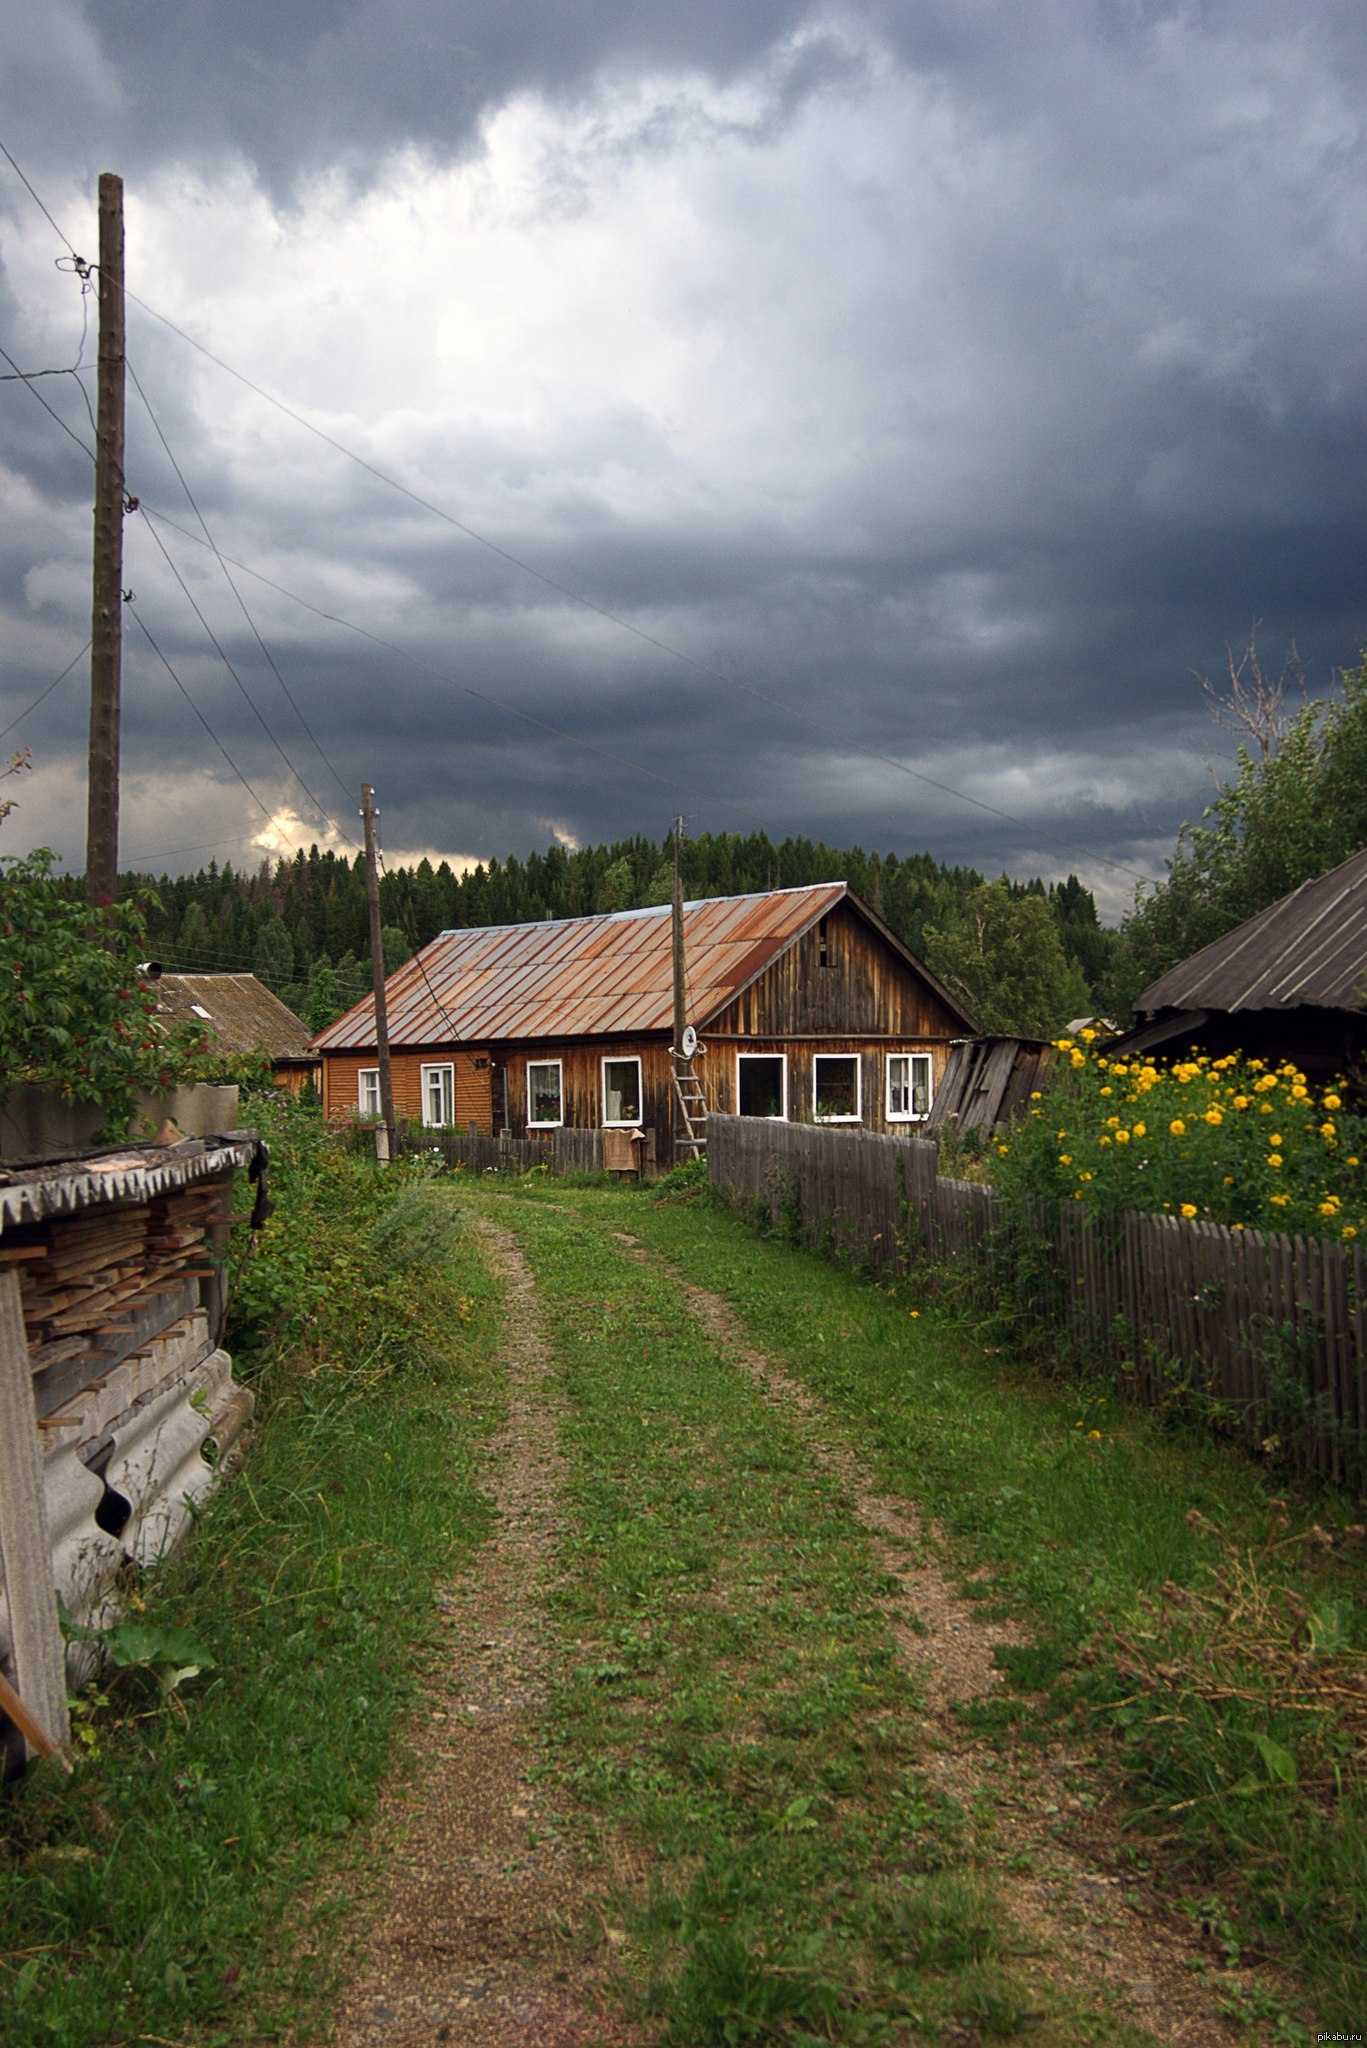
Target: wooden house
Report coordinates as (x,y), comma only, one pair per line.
(242,1016)
(1290,983)
(806,1006)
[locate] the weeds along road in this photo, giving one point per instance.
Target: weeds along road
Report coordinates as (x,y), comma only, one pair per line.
(744,1732)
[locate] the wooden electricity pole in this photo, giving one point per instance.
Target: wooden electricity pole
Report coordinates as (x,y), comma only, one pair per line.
(680,1003)
(372,889)
(106,629)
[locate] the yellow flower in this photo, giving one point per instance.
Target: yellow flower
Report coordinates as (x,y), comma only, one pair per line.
(1280,1200)
(1263,1083)
(1002,1151)
(1188,1209)
(1329,1208)
(1095,1435)
(1329,1131)
(1274,1159)
(1141,1130)
(1348,1231)
(1275,1139)
(1242,1101)
(1300,1093)
(1352,1159)
(913,1313)
(1215,1115)
(1084,1176)
(1177,1127)
(1065,1158)
(1122,1137)
(1106,1091)
(1333,1102)
(1079,1059)
(1034,1094)
(1229,1180)
(1087,1036)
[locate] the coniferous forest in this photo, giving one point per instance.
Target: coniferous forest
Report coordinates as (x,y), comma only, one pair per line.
(301,925)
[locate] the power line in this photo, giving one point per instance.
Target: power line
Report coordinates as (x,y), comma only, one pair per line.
(36,200)
(25,377)
(263,807)
(44,694)
(468,689)
(589,604)
(222,563)
(702,668)
(251,702)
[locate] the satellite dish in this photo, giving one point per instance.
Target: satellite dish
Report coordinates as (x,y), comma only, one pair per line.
(690,1042)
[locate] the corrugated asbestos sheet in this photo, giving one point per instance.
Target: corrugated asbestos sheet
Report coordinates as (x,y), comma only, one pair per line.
(136,1174)
(582,976)
(238,1012)
(1309,948)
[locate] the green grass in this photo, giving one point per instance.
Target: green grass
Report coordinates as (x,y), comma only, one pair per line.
(733,1702)
(158,1894)
(1079,1535)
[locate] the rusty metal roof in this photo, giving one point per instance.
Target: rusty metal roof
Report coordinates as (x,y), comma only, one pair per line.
(583,976)
(1309,948)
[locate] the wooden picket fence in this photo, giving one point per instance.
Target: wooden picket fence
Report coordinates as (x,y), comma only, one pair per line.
(1265,1332)
(558,1152)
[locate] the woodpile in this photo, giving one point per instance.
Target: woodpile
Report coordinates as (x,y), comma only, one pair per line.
(91,1276)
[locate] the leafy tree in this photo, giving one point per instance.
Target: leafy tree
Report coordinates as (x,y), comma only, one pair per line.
(1296,806)
(273,955)
(1002,956)
(76,1016)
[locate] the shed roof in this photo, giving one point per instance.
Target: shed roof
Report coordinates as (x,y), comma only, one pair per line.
(593,976)
(240,1014)
(1309,948)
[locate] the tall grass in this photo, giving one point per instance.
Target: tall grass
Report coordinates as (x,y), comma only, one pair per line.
(157,1894)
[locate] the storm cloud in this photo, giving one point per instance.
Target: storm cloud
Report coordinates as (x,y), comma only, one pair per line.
(768,389)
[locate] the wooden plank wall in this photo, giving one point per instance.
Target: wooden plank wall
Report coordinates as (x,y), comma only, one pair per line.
(563,1151)
(1272,1327)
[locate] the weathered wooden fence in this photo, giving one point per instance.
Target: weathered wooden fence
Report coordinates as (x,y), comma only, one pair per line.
(563,1151)
(1270,1327)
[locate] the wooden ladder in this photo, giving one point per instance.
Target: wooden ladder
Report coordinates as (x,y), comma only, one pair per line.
(691,1141)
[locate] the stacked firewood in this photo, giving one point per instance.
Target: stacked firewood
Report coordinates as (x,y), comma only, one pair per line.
(88,1278)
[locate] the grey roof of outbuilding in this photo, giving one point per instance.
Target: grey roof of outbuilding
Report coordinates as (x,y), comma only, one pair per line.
(240,1014)
(1310,948)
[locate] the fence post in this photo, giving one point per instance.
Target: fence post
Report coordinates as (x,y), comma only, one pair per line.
(35,1638)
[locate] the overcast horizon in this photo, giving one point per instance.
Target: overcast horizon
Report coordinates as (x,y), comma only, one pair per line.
(747,386)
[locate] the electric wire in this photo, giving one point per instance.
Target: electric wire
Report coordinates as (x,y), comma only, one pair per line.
(605,612)
(44,694)
(263,807)
(61,237)
(468,689)
(242,603)
(590,604)
(222,653)
(26,377)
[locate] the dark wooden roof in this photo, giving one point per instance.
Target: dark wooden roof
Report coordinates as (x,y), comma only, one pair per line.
(587,977)
(238,1012)
(1310,948)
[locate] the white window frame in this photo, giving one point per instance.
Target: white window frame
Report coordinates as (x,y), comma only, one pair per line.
(368,1091)
(555,1123)
(855,1116)
(910,1116)
(430,1122)
(782,1059)
(621,1123)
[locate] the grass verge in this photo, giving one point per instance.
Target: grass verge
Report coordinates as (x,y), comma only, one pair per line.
(1203,1624)
(157,1894)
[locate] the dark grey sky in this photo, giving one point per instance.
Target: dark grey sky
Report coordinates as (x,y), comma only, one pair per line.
(963,378)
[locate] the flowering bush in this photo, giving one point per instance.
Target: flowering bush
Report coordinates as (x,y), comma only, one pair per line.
(1228,1140)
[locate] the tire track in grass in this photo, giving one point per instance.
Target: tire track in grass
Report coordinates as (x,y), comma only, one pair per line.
(1141,1962)
(486,1937)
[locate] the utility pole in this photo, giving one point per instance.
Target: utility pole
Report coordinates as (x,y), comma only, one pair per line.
(106,628)
(372,890)
(680,1006)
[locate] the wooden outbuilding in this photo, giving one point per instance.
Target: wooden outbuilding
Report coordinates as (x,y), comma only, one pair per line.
(1290,983)
(806,1007)
(242,1016)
